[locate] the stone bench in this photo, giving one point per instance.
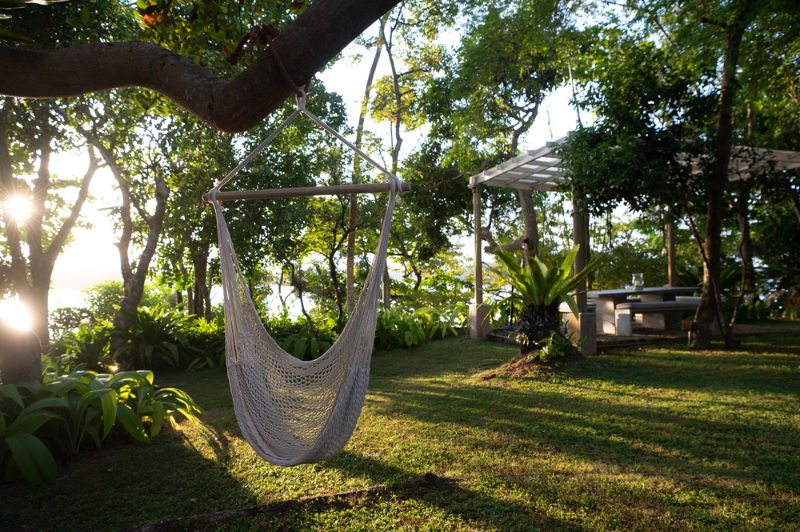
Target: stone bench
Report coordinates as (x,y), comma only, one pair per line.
(563,308)
(623,312)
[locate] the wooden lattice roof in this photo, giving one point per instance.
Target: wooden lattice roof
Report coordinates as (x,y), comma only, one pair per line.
(541,169)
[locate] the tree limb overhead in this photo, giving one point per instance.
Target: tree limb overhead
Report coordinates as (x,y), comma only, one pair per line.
(318,34)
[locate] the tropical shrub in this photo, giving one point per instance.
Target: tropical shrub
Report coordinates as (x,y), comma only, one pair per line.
(555,346)
(541,290)
(297,338)
(67,319)
(303,343)
(103,298)
(206,344)
(395,329)
(88,348)
(152,339)
(38,421)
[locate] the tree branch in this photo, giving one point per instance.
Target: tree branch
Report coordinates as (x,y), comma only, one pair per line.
(305,47)
(54,250)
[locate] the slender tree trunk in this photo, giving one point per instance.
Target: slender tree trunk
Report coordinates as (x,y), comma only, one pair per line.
(133,280)
(746,246)
(795,201)
(531,224)
(708,310)
(398,142)
(189,301)
(353,215)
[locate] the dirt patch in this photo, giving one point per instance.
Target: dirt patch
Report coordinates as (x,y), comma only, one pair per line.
(520,368)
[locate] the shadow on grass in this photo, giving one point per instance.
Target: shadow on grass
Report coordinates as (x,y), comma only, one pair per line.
(450,497)
(682,414)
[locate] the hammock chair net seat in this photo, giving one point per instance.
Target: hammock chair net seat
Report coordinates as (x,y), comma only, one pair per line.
(292,411)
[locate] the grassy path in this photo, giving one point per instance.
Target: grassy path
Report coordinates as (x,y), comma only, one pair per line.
(643,439)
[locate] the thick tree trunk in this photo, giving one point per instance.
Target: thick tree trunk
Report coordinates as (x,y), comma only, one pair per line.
(708,310)
(20,356)
(31,278)
(305,47)
(190,301)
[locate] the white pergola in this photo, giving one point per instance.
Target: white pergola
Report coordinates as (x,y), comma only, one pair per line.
(541,170)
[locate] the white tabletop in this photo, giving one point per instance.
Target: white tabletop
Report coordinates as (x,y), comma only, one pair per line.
(649,290)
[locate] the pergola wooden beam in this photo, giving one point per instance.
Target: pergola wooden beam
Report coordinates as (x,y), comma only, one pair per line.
(541,170)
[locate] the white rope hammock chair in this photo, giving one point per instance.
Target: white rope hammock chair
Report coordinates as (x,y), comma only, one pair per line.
(292,411)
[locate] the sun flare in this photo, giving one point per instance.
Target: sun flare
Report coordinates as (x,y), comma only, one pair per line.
(18,207)
(15,314)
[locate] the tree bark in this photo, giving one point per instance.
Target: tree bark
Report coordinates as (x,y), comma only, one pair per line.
(353,214)
(305,47)
(795,201)
(20,356)
(31,278)
(133,279)
(531,224)
(707,311)
(201,292)
(746,245)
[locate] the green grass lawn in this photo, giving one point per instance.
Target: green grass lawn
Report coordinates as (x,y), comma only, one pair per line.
(640,439)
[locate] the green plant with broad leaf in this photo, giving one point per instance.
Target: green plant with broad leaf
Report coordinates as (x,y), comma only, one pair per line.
(555,346)
(303,344)
(140,400)
(22,453)
(152,339)
(38,421)
(395,329)
(207,340)
(441,322)
(88,348)
(541,290)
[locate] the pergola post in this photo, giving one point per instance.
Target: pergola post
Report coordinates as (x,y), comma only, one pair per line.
(479,324)
(580,237)
(585,326)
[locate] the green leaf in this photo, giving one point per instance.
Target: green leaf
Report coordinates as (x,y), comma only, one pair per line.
(158,418)
(7,36)
(131,422)
(573,306)
(85,16)
(32,457)
(28,424)
(10,391)
(92,430)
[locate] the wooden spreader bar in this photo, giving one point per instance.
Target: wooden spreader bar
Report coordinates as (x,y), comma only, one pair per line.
(375,188)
